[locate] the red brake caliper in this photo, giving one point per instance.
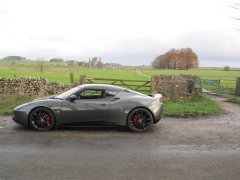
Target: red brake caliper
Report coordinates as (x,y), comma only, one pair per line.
(48,120)
(134,120)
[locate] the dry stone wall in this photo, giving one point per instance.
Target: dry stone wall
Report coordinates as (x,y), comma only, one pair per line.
(171,87)
(177,87)
(31,86)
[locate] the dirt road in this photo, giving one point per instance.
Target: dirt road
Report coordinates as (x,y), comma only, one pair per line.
(202,148)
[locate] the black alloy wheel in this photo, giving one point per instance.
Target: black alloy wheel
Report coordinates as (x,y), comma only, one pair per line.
(42,119)
(140,120)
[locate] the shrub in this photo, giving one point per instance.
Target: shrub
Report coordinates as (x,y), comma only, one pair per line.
(226,68)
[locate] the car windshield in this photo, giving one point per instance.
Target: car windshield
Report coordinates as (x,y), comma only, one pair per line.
(66,94)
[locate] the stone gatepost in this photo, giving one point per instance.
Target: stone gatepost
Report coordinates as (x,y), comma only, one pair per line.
(238,86)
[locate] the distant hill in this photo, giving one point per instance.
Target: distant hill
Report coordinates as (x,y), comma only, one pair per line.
(14,58)
(56,60)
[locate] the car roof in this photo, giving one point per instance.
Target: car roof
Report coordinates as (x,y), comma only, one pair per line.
(101,86)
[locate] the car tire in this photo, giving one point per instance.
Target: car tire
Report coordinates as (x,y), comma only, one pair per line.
(140,120)
(42,119)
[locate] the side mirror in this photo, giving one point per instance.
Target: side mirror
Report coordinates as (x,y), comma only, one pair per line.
(72,98)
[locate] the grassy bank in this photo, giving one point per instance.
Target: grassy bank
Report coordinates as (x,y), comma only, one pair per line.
(7,103)
(191,108)
(198,107)
(234,100)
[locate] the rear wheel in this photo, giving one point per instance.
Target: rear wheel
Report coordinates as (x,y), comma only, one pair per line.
(140,120)
(42,119)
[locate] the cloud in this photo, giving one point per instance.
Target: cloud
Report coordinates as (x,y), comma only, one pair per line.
(129,32)
(211,46)
(58,39)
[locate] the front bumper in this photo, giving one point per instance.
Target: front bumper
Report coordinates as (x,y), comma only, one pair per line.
(20,117)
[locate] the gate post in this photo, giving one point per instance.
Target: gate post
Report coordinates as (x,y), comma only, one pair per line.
(71,77)
(82,79)
(238,86)
(153,85)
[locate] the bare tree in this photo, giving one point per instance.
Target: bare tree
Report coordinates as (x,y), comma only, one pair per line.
(41,64)
(235,10)
(236,7)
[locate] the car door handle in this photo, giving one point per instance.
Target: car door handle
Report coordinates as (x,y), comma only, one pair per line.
(103,104)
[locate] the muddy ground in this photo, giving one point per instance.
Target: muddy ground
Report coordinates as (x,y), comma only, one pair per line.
(176,148)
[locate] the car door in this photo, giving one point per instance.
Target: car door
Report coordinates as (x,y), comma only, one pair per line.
(91,105)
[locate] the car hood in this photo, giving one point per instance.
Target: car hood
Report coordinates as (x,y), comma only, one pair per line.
(44,98)
(35,101)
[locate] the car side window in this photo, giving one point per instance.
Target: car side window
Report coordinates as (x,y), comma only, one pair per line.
(92,94)
(111,93)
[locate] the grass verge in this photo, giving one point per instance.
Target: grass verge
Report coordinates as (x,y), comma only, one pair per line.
(7,103)
(199,106)
(234,100)
(188,108)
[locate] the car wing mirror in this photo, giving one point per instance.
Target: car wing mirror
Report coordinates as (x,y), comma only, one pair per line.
(72,98)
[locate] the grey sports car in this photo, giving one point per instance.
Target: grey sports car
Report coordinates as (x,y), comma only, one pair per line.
(92,103)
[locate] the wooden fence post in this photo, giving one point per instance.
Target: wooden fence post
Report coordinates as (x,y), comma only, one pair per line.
(238,86)
(71,77)
(21,89)
(153,88)
(82,79)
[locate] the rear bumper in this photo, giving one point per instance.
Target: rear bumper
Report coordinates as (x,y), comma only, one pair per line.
(20,117)
(156,120)
(158,114)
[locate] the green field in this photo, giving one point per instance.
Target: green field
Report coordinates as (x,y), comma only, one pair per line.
(60,72)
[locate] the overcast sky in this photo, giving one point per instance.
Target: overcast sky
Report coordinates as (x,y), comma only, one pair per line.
(131,32)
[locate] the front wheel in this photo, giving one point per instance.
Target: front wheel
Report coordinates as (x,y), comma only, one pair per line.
(42,119)
(140,120)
